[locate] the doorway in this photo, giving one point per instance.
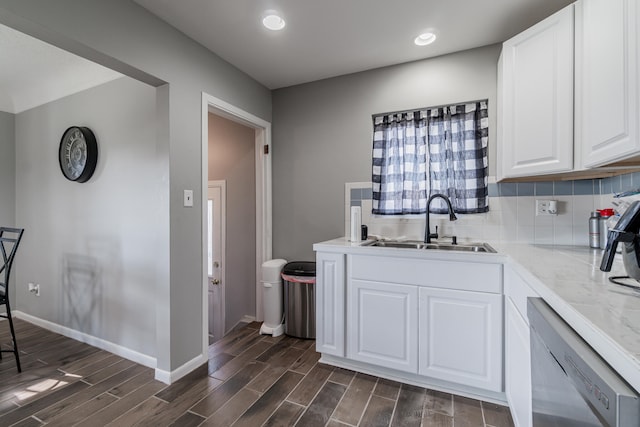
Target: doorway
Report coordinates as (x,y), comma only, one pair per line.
(216,219)
(232,159)
(261,219)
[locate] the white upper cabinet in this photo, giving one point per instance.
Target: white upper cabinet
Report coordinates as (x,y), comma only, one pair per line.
(536,99)
(607,80)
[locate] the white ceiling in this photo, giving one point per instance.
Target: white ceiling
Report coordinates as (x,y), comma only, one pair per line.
(327,38)
(323,38)
(34,73)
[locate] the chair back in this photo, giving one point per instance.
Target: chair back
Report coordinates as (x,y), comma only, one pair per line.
(9,241)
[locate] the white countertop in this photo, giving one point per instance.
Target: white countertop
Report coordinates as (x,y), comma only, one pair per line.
(569,279)
(607,316)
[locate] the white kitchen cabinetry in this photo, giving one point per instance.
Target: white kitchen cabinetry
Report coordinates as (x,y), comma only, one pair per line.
(536,94)
(461,337)
(517,348)
(438,319)
(383,324)
(607,44)
(330,300)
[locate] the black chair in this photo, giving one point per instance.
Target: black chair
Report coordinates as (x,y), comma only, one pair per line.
(9,241)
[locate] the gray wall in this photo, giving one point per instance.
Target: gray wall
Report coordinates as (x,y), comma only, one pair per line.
(232,158)
(322,136)
(92,247)
(124,36)
(7,170)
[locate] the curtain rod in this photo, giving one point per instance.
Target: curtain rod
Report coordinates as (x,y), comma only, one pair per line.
(429,108)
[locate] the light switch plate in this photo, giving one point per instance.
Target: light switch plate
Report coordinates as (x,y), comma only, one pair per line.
(188,198)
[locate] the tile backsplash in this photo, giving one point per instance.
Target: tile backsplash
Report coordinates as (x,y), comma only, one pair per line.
(511,215)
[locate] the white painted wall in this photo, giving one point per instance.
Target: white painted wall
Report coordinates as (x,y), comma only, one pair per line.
(323,132)
(7,170)
(232,158)
(93,247)
(122,35)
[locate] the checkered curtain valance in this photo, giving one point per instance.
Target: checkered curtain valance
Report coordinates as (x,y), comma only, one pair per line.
(424,152)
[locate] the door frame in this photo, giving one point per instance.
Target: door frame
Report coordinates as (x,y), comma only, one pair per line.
(222,185)
(263,195)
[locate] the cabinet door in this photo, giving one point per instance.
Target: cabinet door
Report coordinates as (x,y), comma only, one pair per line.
(607,80)
(461,337)
(518,366)
(537,99)
(330,308)
(383,320)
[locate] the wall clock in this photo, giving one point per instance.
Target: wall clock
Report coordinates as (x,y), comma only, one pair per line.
(78,154)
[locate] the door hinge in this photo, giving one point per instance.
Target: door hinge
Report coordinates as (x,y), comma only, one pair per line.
(266,149)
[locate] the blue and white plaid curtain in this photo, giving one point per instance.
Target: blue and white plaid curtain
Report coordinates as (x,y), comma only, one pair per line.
(405,173)
(400,163)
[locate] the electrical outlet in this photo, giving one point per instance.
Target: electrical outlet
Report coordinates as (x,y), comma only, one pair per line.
(34,288)
(546,207)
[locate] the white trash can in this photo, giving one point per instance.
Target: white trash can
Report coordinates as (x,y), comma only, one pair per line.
(272,297)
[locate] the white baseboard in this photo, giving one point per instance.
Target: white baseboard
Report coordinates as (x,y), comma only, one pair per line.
(119,350)
(143,359)
(244,319)
(248,319)
(173,376)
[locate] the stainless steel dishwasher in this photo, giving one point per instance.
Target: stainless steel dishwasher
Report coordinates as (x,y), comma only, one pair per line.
(572,386)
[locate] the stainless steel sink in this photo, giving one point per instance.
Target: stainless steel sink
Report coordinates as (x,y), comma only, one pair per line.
(462,247)
(407,244)
(414,244)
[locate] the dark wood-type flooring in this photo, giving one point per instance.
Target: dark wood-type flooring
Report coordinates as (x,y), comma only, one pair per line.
(251,380)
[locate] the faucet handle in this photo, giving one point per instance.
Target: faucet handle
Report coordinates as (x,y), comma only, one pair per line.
(434,235)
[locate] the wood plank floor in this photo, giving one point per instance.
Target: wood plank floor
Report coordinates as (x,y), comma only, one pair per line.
(251,380)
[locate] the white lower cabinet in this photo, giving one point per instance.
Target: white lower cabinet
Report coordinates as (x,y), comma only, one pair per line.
(436,319)
(330,309)
(460,337)
(518,366)
(435,322)
(517,347)
(383,324)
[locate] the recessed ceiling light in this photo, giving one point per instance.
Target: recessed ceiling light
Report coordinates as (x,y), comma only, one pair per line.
(425,39)
(273,21)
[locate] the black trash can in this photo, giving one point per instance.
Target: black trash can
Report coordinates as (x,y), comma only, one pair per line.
(299,280)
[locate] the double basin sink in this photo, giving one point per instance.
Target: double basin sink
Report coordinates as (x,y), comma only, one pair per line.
(416,244)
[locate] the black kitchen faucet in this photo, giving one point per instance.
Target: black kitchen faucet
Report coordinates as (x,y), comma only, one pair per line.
(452,217)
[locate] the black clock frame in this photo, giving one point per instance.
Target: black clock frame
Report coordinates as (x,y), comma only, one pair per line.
(92,154)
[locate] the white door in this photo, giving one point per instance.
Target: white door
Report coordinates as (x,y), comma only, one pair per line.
(461,337)
(330,299)
(537,99)
(383,319)
(607,43)
(215,258)
(517,366)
